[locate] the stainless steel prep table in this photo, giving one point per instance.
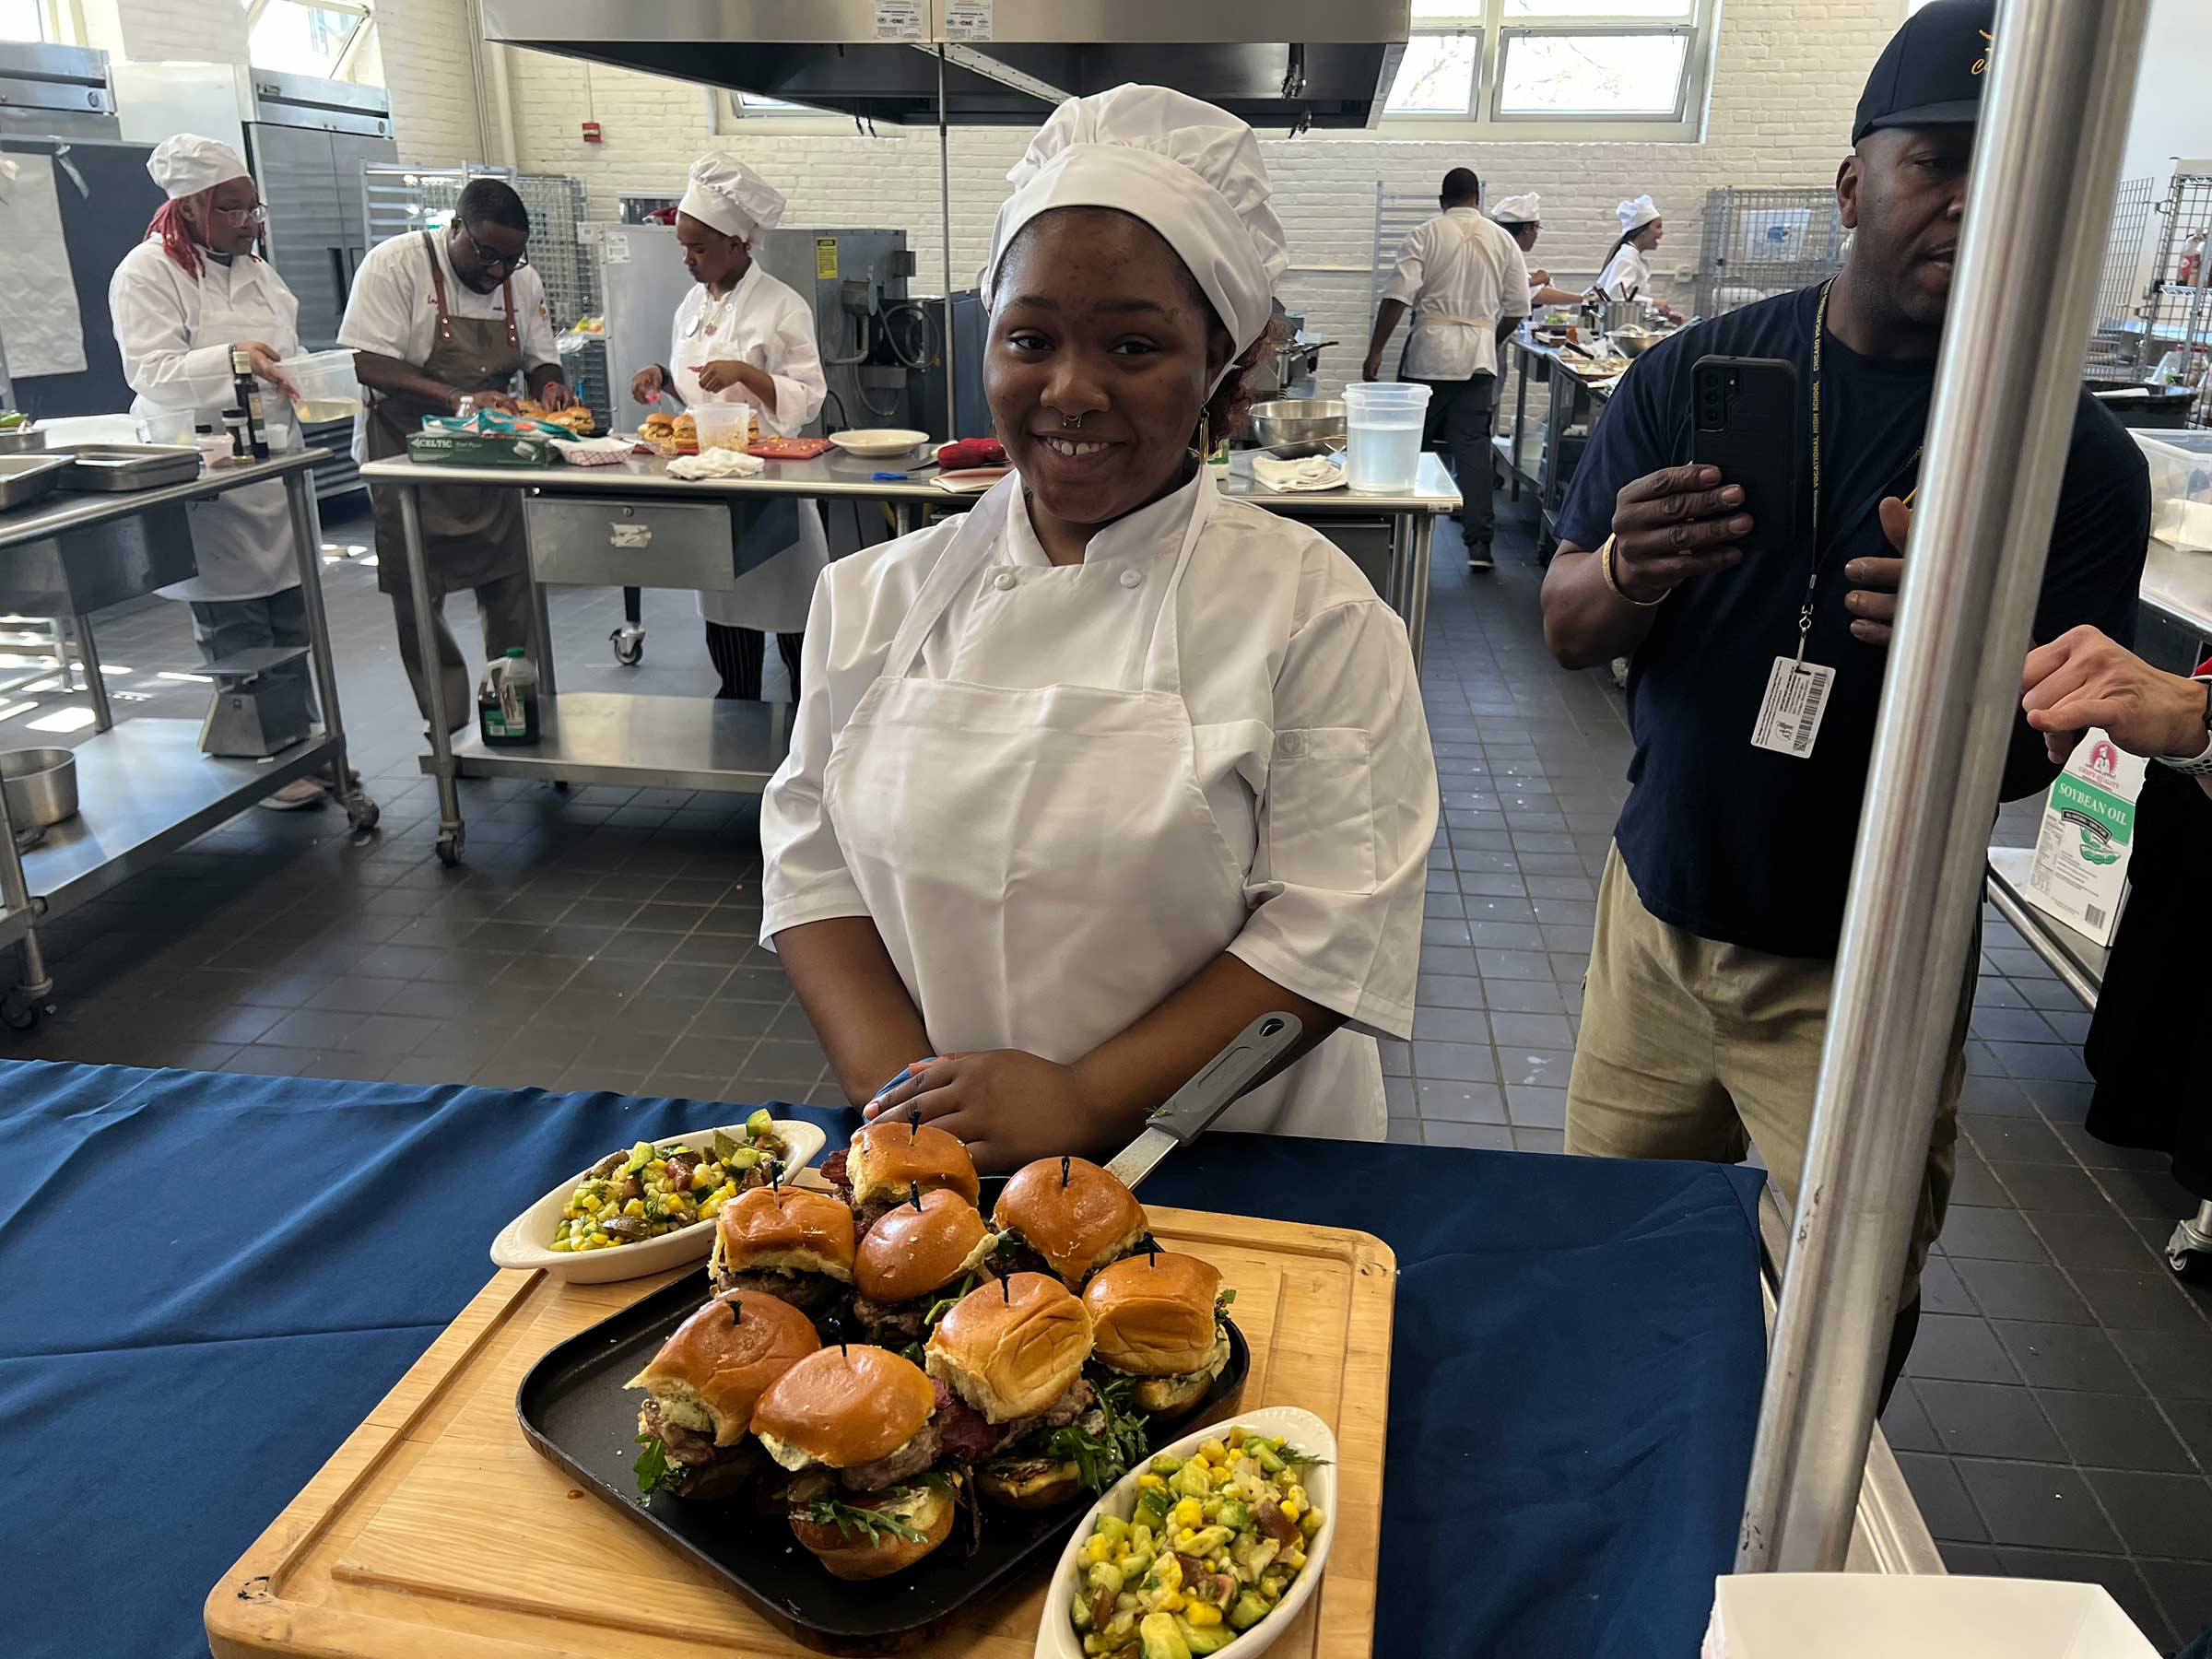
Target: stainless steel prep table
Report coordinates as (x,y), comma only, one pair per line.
(597,527)
(1573,391)
(145,787)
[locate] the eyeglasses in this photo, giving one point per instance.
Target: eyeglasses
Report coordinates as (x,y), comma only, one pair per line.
(238,219)
(487,259)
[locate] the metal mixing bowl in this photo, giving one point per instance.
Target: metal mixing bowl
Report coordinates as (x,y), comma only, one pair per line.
(1298,420)
(1635,342)
(23,440)
(40,784)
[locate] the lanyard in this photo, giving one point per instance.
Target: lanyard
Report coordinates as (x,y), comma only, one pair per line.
(1812,581)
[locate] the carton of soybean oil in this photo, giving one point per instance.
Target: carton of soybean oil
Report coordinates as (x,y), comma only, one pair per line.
(2080,872)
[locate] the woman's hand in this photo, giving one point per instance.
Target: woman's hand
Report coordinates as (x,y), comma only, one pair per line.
(720,374)
(265,365)
(647,385)
(1010,1108)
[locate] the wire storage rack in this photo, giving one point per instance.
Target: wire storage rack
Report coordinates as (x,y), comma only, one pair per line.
(2177,305)
(398,200)
(1397,213)
(1761,243)
(2117,337)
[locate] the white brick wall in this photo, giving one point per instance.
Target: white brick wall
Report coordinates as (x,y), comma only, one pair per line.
(154,31)
(1783,87)
(425,46)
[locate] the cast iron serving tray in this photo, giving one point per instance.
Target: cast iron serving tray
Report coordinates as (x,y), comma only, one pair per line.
(576,1411)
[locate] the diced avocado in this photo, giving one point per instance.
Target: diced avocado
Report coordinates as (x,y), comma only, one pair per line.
(745,1157)
(759,1123)
(723,1148)
(1250,1609)
(1206,1639)
(1166,1463)
(639,1156)
(1081,1612)
(1161,1638)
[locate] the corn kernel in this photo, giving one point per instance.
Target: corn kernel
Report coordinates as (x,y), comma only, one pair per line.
(1310,1522)
(1188,1512)
(1298,1495)
(1149,1482)
(1202,1614)
(1095,1549)
(1175,1600)
(1291,1510)
(1213,1451)
(1294,1557)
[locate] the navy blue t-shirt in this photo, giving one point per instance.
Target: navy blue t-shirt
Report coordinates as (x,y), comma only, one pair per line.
(1744,845)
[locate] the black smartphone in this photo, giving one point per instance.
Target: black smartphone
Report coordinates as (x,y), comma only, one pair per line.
(1749,424)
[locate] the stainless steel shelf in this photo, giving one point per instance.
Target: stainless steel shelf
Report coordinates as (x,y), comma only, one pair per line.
(65,510)
(646,742)
(147,789)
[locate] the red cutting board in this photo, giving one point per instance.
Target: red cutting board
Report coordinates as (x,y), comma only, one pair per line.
(789,449)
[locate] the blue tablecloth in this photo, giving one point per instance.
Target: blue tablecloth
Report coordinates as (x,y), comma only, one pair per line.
(207,1281)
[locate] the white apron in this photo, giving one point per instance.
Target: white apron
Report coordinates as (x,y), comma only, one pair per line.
(771,597)
(242,538)
(1042,865)
(1429,353)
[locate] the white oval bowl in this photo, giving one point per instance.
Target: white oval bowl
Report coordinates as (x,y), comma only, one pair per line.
(1057,1636)
(521,1243)
(878,440)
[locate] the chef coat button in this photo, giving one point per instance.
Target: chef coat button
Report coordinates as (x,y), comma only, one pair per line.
(1131,578)
(1004,581)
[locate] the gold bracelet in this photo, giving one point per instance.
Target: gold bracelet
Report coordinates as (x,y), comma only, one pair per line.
(1605,569)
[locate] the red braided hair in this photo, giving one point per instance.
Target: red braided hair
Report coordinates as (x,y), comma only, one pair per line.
(176,236)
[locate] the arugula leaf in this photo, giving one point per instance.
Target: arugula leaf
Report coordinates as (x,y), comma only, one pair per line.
(652,1469)
(1101,1456)
(938,1308)
(851,1518)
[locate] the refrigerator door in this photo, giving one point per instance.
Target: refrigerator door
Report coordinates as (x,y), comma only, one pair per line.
(642,281)
(299,180)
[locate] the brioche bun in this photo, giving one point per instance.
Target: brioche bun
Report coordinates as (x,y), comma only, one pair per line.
(1012,1346)
(843,1406)
(1071,1213)
(909,1253)
(790,1228)
(1153,1316)
(714,1369)
(886,1161)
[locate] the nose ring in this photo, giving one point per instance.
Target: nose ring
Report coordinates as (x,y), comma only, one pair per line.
(1071,425)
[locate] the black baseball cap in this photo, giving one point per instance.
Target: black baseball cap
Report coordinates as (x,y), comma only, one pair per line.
(1933,71)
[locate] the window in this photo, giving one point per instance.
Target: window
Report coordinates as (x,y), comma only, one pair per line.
(26,20)
(1528,69)
(305,37)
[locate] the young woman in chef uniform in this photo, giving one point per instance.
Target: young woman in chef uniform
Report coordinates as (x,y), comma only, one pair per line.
(179,302)
(1085,780)
(742,336)
(1628,275)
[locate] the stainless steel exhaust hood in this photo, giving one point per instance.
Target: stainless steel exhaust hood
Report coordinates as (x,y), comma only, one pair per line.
(1279,63)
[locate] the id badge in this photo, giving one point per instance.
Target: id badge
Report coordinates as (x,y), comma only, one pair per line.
(1788,715)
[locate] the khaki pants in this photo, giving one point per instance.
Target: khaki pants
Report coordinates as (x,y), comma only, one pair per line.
(1694,1048)
(503,609)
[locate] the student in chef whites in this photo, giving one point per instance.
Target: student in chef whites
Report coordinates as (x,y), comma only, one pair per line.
(742,336)
(1085,780)
(442,322)
(1722,900)
(1464,282)
(181,302)
(1522,218)
(1628,273)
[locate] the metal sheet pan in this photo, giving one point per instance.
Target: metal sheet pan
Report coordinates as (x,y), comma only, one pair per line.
(127,467)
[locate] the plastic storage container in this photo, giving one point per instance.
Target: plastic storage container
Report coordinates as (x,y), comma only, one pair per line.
(723,425)
(1382,445)
(327,388)
(2181,486)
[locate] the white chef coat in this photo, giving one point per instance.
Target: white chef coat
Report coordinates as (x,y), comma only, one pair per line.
(1300,719)
(763,322)
(394,311)
(1628,275)
(1459,274)
(175,332)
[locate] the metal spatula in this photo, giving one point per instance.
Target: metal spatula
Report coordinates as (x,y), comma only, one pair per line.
(1192,1108)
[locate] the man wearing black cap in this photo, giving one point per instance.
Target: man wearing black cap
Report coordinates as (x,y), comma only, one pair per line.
(1723,899)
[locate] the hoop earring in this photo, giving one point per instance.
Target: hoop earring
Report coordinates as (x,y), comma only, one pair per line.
(1202,438)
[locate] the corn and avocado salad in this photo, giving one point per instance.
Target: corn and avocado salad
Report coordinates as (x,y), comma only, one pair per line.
(648,1190)
(1214,1544)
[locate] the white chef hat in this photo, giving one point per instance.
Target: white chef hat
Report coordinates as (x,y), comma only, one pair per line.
(1636,213)
(726,193)
(1518,210)
(1190,170)
(187,164)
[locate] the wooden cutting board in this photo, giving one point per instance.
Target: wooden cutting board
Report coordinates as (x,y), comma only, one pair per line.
(437,1531)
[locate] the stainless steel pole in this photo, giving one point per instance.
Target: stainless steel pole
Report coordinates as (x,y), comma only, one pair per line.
(2054,116)
(952,378)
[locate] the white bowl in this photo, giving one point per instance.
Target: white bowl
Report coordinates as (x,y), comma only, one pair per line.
(878,440)
(521,1242)
(1057,1636)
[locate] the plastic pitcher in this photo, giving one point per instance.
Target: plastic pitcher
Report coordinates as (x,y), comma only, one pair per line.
(722,426)
(326,385)
(1382,440)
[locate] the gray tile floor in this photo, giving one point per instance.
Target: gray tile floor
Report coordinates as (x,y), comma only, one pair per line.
(2056,1419)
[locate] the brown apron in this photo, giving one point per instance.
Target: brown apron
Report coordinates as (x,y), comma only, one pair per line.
(471,533)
